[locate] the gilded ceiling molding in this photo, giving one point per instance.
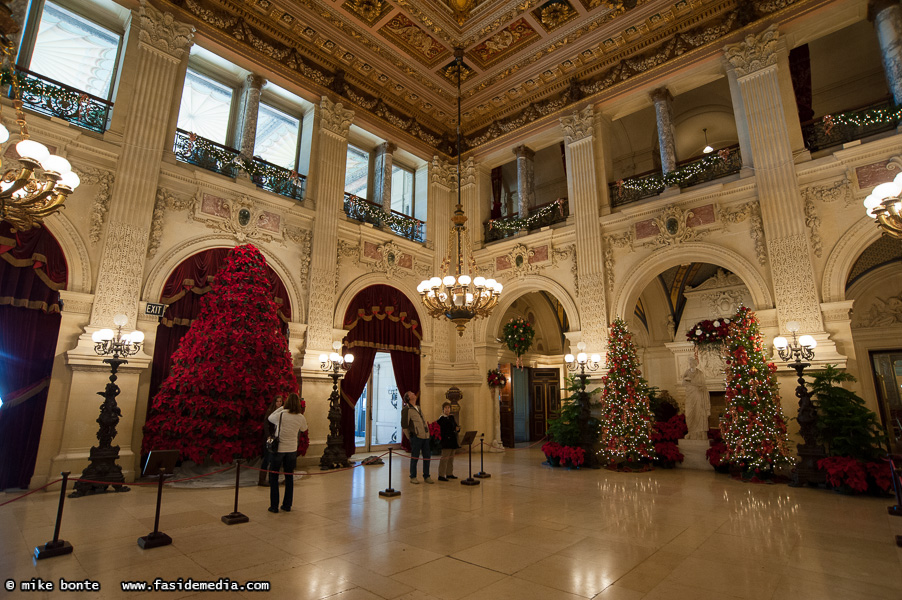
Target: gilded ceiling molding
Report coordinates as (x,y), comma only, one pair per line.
(755,52)
(578,125)
(335,117)
(161,31)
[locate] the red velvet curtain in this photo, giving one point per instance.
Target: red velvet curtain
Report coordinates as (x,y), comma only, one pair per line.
(32,271)
(379,317)
(183,294)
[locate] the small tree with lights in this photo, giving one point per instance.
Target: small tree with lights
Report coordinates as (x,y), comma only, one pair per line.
(626,418)
(753,426)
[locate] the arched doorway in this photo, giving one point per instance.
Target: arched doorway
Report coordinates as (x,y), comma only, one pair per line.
(379,319)
(33,270)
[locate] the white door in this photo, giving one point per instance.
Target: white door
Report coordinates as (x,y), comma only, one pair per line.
(378,411)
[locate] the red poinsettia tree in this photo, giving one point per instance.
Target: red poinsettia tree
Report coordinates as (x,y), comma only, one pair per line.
(227,369)
(753,426)
(626,417)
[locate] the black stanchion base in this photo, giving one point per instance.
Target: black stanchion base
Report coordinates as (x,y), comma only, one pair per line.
(482,475)
(896,510)
(154,539)
(469,481)
(51,549)
(389,493)
(235,518)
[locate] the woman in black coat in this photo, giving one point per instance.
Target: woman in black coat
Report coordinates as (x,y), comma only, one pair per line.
(449,428)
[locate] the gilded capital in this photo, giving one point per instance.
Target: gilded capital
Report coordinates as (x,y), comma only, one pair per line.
(335,117)
(755,52)
(578,125)
(161,31)
(440,172)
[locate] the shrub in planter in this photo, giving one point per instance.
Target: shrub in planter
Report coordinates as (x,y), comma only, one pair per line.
(563,432)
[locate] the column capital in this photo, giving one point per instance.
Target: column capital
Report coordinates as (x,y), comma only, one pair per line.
(662,94)
(524,151)
(387,147)
(875,7)
(335,117)
(440,172)
(754,53)
(577,125)
(468,172)
(161,31)
(254,81)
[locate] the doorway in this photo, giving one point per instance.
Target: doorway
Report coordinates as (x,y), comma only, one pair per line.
(887,367)
(545,400)
(377,414)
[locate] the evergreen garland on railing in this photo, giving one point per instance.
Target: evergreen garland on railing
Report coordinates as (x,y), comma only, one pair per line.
(517,224)
(880,115)
(254,168)
(376,213)
(677,177)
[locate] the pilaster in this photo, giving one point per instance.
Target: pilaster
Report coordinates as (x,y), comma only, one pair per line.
(442,177)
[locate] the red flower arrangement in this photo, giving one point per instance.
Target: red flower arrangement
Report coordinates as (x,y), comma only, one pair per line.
(303,443)
(665,436)
(717,454)
(708,332)
(668,452)
(566,455)
(435,431)
(496,378)
(855,475)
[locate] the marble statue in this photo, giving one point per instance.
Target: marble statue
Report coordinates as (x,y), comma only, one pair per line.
(698,401)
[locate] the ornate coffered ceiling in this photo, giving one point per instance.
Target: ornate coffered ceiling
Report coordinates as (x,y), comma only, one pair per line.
(524,59)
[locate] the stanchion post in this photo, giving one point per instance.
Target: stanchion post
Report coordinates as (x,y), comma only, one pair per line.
(56,546)
(236,517)
(468,441)
(389,492)
(156,538)
(482,474)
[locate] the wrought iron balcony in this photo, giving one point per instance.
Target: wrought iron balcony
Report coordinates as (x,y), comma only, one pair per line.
(540,216)
(276,179)
(724,162)
(361,209)
(206,154)
(833,130)
(49,97)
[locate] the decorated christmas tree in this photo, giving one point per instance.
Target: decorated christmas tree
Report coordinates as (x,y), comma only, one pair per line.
(227,369)
(626,418)
(753,426)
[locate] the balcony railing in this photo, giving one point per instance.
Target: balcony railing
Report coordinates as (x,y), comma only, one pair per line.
(207,154)
(361,209)
(540,216)
(833,130)
(694,171)
(49,97)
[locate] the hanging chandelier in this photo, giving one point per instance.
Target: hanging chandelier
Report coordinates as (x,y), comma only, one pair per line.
(884,204)
(27,197)
(455,295)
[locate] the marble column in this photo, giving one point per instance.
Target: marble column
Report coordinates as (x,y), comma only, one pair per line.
(887,18)
(382,169)
(755,63)
(329,165)
(248,111)
(664,119)
(526,179)
(582,186)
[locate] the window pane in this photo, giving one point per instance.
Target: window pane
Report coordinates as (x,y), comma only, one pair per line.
(75,51)
(277,137)
(205,107)
(358,170)
(402,190)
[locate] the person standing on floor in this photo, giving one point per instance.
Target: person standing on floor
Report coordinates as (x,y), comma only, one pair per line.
(414,424)
(289,424)
(268,430)
(449,427)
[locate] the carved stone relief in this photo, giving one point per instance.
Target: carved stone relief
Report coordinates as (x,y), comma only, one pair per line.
(166,200)
(303,239)
(101,205)
(755,52)
(577,125)
(795,290)
(813,222)
(883,312)
(840,190)
(335,117)
(752,212)
(161,31)
(441,172)
(610,242)
(119,284)
(242,217)
(519,260)
(673,228)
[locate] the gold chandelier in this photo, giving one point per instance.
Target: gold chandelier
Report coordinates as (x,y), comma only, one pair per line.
(455,295)
(26,199)
(884,204)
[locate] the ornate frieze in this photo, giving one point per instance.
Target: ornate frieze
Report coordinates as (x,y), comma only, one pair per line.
(673,228)
(303,239)
(242,217)
(165,200)
(335,117)
(813,222)
(795,290)
(755,52)
(101,205)
(612,241)
(832,192)
(161,31)
(752,212)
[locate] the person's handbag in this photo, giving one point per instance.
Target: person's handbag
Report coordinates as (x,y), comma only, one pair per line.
(272,442)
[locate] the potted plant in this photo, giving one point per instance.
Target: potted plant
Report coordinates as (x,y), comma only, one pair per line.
(564,447)
(670,427)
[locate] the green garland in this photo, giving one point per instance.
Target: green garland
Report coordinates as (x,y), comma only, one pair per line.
(518,334)
(653,183)
(881,115)
(252,167)
(375,212)
(517,224)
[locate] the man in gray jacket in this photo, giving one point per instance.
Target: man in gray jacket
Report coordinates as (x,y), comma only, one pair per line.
(414,424)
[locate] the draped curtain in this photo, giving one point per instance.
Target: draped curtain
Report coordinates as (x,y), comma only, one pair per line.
(32,271)
(496,193)
(183,295)
(379,317)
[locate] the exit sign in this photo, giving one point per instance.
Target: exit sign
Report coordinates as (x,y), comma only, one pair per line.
(154,310)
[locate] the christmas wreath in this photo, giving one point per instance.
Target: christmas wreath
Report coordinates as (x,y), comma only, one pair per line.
(518,334)
(496,378)
(708,332)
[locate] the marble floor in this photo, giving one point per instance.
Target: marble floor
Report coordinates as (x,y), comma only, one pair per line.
(529,531)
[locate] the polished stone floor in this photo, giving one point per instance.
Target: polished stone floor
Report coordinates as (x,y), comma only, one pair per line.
(528,532)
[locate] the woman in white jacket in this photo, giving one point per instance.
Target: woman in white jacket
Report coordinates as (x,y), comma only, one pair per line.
(289,424)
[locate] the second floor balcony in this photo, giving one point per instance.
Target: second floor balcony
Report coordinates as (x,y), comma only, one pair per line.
(54,99)
(851,125)
(361,209)
(540,216)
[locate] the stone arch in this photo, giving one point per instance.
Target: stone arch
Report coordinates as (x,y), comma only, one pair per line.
(485,328)
(75,251)
(157,276)
(661,260)
(357,285)
(843,256)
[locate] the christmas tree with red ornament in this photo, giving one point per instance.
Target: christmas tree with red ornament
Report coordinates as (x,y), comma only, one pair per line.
(229,366)
(753,426)
(627,421)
